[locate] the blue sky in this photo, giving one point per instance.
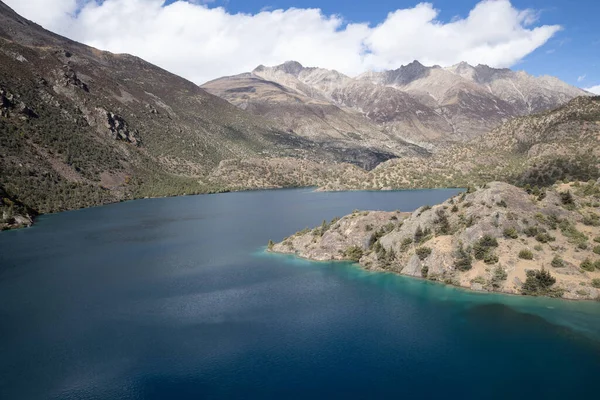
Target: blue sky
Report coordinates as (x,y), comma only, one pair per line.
(206,39)
(572,54)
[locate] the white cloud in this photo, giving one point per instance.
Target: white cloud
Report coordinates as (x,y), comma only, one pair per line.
(202,43)
(581,78)
(594,89)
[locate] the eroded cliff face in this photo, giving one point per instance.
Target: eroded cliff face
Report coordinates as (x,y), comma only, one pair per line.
(498,238)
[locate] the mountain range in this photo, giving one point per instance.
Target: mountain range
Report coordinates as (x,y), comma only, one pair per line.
(82,127)
(431,107)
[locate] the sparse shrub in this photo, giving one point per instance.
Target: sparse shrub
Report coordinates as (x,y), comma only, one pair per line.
(423,252)
(543,237)
(597,249)
(552,221)
(454,208)
(406,242)
(442,222)
(270,245)
(558,262)
(419,234)
(576,237)
(526,254)
(587,265)
(490,258)
(531,231)
(596,283)
(597,239)
(498,276)
(591,219)
(502,203)
(483,246)
(479,279)
(375,236)
(424,271)
(354,253)
(538,247)
(464,260)
(539,282)
(567,199)
(511,233)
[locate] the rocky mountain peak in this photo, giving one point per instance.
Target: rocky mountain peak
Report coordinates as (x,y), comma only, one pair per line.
(290,67)
(406,74)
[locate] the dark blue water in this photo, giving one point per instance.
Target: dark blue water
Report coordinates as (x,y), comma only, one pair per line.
(175,299)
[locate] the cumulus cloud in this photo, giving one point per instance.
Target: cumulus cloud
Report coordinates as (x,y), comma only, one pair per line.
(594,89)
(202,43)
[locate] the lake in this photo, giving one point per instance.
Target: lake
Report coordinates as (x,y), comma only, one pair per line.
(175,298)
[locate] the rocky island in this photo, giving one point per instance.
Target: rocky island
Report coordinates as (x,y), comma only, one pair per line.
(498,238)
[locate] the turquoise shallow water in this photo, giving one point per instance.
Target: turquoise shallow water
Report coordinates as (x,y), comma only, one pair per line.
(176,298)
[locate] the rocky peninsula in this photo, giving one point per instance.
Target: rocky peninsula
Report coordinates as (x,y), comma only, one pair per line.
(498,238)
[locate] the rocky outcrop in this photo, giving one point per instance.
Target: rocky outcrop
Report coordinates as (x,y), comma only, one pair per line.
(492,239)
(68,77)
(13,214)
(118,128)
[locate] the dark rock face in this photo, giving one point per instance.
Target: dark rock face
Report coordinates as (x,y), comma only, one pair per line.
(69,78)
(119,130)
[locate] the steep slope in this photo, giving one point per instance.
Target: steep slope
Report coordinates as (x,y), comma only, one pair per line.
(305,111)
(498,238)
(527,94)
(429,106)
(79,126)
(539,149)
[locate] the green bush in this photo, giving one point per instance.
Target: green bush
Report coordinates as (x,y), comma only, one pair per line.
(531,231)
(567,198)
(596,283)
(270,245)
(354,253)
(464,260)
(482,248)
(375,236)
(406,242)
(419,234)
(597,239)
(544,237)
(558,262)
(424,271)
(442,223)
(591,219)
(597,249)
(575,237)
(511,233)
(526,254)
(587,265)
(498,276)
(490,258)
(539,282)
(423,252)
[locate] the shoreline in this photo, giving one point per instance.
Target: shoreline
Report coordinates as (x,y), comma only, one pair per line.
(425,280)
(33,217)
